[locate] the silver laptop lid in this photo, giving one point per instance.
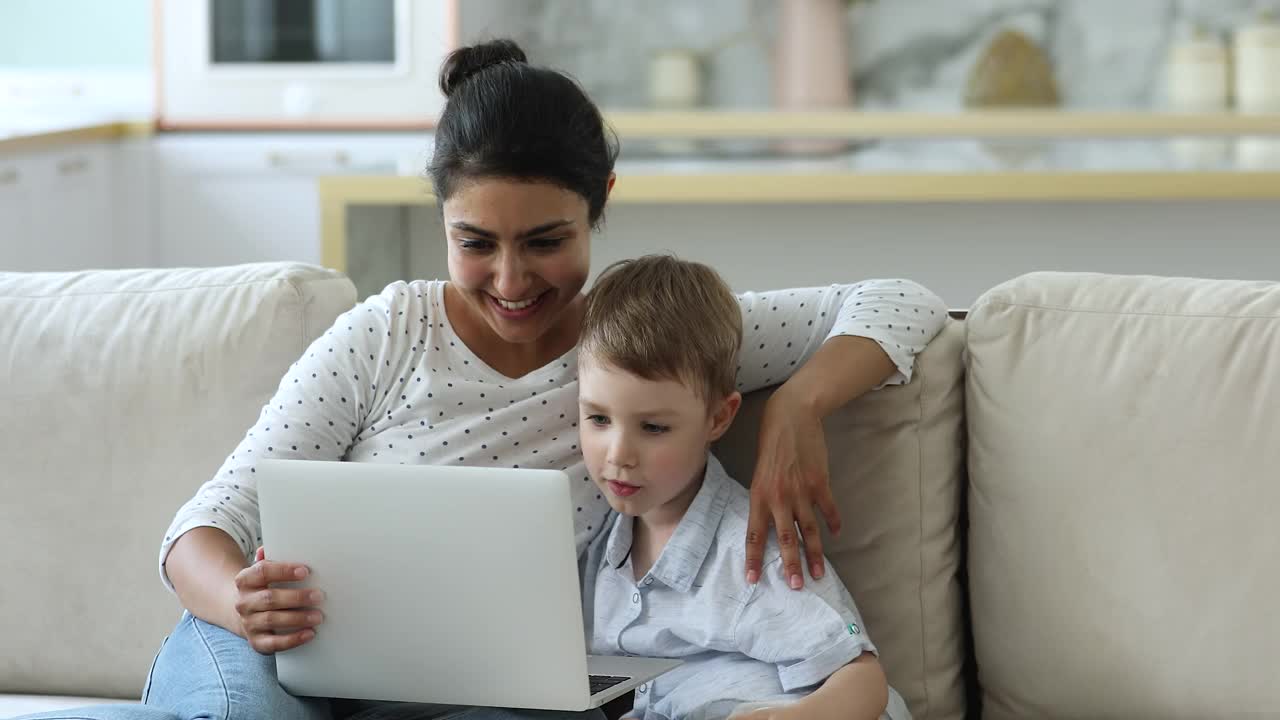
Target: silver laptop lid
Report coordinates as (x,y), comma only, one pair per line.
(452,585)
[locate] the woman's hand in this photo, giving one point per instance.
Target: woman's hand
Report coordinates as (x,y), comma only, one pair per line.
(790,479)
(276,619)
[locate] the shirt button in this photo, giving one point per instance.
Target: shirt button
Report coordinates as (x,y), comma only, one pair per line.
(643,688)
(635,597)
(648,581)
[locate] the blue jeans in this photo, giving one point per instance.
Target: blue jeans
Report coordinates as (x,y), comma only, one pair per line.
(203,672)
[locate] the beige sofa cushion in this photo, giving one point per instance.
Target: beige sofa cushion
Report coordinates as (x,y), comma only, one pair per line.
(123,391)
(1123,497)
(896,467)
(12,706)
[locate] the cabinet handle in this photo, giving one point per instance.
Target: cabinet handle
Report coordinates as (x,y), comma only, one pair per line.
(276,159)
(9,176)
(73,166)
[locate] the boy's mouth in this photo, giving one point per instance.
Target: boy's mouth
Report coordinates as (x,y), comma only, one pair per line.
(622,489)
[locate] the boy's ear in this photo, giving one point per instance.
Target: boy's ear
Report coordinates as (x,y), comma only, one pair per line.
(724,414)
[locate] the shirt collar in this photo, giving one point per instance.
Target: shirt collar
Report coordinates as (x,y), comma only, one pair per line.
(687,549)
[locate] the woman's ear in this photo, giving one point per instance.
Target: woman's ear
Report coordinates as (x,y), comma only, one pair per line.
(609,187)
(724,414)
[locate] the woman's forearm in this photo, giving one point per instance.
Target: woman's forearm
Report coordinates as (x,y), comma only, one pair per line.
(842,369)
(202,565)
(857,691)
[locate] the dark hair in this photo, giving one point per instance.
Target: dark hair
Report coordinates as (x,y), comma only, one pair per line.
(505,118)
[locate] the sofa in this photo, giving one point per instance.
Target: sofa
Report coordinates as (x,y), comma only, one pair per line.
(1068,512)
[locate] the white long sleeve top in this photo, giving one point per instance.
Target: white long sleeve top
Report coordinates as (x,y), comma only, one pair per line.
(391,382)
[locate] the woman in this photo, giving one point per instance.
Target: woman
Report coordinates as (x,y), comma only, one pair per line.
(481,370)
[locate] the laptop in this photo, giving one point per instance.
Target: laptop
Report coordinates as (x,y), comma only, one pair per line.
(448,585)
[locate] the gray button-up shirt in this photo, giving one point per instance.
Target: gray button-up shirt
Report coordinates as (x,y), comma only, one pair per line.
(740,643)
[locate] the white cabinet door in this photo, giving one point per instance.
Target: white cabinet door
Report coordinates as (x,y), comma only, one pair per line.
(75,216)
(223,199)
(17,219)
(227,218)
(131,189)
(56,211)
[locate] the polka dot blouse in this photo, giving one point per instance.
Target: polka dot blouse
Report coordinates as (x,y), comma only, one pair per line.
(391,382)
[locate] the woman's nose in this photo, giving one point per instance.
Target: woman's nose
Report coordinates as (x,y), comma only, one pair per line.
(512,279)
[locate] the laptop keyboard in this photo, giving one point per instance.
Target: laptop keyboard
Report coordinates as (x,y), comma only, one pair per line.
(600,683)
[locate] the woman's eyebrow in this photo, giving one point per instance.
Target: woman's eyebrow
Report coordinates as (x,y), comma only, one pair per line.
(469,228)
(545,227)
(491,235)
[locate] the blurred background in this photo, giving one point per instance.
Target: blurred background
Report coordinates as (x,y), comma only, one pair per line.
(787,142)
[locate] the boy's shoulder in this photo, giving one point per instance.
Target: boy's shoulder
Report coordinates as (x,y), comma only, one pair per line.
(731,534)
(729,550)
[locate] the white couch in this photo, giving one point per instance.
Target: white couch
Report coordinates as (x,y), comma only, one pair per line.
(122,392)
(1069,512)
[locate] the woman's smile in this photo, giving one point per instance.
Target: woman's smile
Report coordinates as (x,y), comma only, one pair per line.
(519,309)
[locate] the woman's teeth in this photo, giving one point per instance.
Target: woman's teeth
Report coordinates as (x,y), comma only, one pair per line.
(520,305)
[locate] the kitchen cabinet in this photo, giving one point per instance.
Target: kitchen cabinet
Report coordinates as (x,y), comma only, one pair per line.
(74,208)
(17,217)
(226,198)
(180,199)
(56,209)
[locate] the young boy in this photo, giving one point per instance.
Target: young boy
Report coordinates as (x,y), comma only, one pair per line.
(664,578)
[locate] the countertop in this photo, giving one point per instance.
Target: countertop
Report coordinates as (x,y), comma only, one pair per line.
(25,131)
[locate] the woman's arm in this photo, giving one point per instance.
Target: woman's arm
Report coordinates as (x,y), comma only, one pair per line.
(217,585)
(831,345)
(343,365)
(202,565)
(791,457)
(213,537)
(294,424)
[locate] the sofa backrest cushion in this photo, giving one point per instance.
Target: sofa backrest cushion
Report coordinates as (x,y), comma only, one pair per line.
(1123,496)
(123,391)
(897,469)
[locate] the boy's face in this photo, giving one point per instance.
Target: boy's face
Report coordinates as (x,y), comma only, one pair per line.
(645,441)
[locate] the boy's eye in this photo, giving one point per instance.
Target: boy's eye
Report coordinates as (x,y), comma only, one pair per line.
(655,429)
(599,420)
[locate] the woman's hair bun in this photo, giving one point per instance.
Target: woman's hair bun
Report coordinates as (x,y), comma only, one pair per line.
(465,62)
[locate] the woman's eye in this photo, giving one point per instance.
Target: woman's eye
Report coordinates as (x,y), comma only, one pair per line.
(599,420)
(474,245)
(654,429)
(546,244)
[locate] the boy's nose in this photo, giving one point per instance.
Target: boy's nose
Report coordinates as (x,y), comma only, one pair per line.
(620,453)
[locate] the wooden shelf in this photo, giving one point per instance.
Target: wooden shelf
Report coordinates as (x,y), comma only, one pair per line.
(338,193)
(977,124)
(763,124)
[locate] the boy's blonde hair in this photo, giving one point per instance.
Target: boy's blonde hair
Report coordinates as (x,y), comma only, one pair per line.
(662,318)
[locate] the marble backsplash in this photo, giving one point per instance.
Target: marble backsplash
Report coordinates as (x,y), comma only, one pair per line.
(905,54)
